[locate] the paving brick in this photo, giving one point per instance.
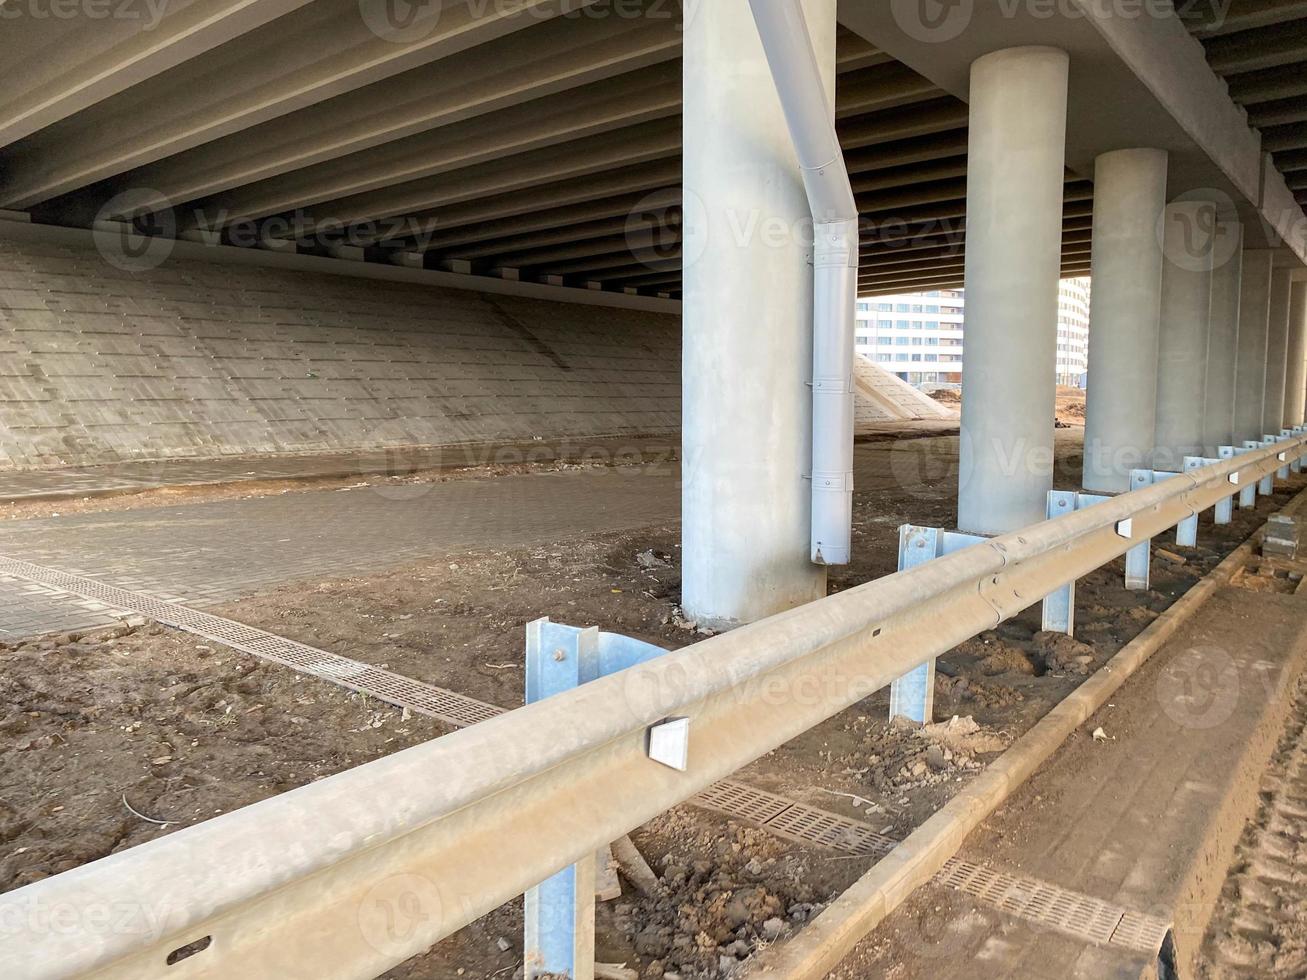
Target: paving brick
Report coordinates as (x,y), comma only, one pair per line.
(226,549)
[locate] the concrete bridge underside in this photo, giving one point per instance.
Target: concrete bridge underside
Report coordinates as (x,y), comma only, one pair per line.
(634,153)
(536,140)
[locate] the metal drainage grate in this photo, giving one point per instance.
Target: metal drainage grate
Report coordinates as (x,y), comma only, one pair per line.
(426,699)
(1037,901)
(814,826)
(1072,913)
(1139,931)
(738,800)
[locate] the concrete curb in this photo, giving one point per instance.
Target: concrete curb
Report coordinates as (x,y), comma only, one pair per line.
(825,941)
(652,448)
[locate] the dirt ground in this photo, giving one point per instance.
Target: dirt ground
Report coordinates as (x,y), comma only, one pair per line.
(1071,405)
(114,739)
(1070,409)
(1260,925)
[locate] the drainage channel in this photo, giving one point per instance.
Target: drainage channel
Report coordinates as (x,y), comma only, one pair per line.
(1071,913)
(426,699)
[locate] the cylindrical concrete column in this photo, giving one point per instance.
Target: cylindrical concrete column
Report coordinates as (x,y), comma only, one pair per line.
(747,326)
(1295,375)
(1254,309)
(1223,337)
(1124,306)
(1188,236)
(1015,158)
(1277,352)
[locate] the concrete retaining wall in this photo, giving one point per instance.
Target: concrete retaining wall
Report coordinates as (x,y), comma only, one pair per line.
(201,360)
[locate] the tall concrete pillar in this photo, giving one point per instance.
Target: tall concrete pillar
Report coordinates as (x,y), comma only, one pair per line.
(1295,377)
(1254,310)
(1124,307)
(747,325)
(1015,155)
(1223,338)
(1188,237)
(1277,352)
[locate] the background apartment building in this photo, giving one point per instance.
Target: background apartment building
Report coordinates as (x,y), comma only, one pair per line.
(919,336)
(1073,332)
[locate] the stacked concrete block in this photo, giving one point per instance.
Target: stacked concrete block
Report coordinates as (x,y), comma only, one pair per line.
(198,360)
(1281,536)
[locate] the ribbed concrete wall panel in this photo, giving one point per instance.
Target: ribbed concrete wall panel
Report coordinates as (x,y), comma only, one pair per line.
(98,364)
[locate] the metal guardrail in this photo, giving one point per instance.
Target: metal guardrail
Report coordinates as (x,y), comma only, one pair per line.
(352,875)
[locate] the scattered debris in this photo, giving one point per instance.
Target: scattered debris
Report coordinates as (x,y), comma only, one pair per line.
(858,801)
(721,897)
(607,885)
(1064,654)
(678,619)
(137,813)
(653,559)
(633,865)
(963,734)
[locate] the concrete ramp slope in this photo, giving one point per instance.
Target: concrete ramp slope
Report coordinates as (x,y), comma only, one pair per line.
(200,360)
(880,397)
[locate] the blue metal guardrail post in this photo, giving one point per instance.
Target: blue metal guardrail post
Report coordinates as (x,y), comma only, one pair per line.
(1186,532)
(1267,485)
(913,694)
(1059,607)
(1247,492)
(1224,510)
(559,912)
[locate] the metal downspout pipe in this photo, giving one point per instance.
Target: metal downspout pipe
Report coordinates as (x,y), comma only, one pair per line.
(811,121)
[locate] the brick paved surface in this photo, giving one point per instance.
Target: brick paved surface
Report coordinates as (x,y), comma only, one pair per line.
(211,552)
(206,553)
